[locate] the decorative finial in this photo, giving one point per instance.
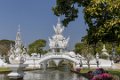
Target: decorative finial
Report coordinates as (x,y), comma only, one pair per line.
(104,49)
(59,20)
(25,45)
(104,46)
(19,28)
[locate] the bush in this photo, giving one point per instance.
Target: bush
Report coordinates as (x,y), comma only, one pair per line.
(103,76)
(99,74)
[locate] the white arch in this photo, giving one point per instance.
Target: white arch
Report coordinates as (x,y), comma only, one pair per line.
(46,58)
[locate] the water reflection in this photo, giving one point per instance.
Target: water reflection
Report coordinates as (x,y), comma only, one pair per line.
(51,75)
(47,75)
(2,76)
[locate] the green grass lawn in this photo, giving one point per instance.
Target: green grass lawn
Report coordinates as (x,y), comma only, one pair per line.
(4,69)
(114,72)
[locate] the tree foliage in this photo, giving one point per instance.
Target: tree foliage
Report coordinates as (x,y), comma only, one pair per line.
(85,50)
(82,48)
(102,17)
(78,48)
(69,8)
(5,46)
(37,46)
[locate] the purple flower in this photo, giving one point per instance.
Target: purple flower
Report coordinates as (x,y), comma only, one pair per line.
(100,74)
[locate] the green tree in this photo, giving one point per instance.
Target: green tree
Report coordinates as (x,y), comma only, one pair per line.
(87,52)
(82,48)
(5,46)
(37,47)
(78,48)
(102,17)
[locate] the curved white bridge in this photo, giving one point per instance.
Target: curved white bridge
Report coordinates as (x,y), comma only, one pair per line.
(43,62)
(58,57)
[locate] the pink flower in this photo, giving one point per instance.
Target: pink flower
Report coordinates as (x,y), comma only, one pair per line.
(106,75)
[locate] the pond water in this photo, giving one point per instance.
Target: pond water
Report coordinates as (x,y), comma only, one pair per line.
(49,74)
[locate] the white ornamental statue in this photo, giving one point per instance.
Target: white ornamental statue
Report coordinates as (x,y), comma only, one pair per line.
(16,58)
(15,53)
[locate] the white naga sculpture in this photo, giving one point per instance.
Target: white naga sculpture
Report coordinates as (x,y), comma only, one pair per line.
(58,41)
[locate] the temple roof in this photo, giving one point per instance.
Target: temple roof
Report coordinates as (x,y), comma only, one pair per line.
(58,40)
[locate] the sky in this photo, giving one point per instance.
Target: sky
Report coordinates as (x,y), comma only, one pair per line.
(36,20)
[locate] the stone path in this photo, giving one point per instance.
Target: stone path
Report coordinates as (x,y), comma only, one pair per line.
(116,66)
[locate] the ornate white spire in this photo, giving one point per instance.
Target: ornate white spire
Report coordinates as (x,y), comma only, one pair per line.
(18,41)
(59,28)
(19,28)
(17,52)
(59,22)
(58,40)
(104,51)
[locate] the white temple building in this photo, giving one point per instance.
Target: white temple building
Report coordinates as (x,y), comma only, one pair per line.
(58,42)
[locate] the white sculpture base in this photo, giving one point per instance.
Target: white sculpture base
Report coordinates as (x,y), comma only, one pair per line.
(16,75)
(17,70)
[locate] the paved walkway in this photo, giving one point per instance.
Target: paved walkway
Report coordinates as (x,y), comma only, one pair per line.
(116,66)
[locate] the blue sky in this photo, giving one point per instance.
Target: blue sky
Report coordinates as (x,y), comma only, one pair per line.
(36,19)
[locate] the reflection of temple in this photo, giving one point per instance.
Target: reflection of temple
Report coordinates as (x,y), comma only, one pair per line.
(58,42)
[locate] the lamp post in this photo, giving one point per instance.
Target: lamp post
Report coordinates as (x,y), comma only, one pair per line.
(112,56)
(113,51)
(33,58)
(111,59)
(80,61)
(97,59)
(79,57)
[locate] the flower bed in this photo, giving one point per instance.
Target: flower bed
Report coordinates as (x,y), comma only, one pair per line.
(99,74)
